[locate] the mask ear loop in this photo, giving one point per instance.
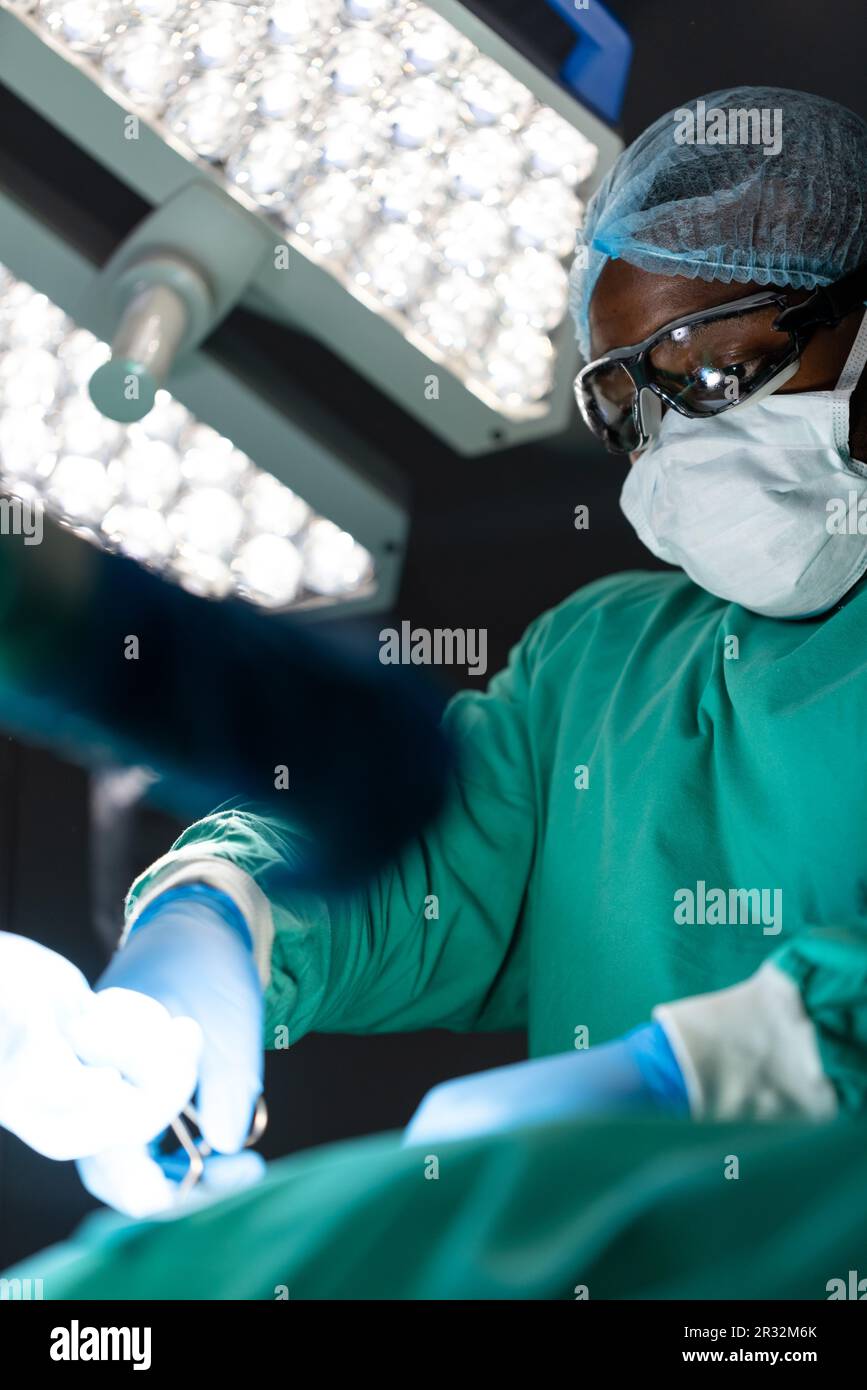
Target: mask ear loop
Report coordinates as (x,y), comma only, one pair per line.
(848,380)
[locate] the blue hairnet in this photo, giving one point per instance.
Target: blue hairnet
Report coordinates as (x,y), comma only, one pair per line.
(731,211)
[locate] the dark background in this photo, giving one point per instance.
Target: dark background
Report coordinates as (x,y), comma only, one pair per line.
(492,545)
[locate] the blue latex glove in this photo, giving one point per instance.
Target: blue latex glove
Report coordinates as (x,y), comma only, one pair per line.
(191,949)
(635,1074)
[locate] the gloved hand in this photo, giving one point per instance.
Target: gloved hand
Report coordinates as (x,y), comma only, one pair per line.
(191,949)
(636,1073)
(130,1179)
(78,1070)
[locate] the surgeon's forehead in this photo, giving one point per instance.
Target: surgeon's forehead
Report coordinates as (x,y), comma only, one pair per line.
(629,304)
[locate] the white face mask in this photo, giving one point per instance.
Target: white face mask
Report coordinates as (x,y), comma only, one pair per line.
(761,505)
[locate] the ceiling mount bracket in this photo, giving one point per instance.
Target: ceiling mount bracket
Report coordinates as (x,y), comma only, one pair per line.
(165,289)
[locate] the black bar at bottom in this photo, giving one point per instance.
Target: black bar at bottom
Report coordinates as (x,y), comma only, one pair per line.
(195,1337)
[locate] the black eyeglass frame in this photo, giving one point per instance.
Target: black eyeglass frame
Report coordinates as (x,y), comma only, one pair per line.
(824,307)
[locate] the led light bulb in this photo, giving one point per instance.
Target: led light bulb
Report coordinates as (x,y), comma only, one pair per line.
(28,376)
(273,507)
(79,355)
(85,25)
(146,62)
(29,318)
(80,489)
(269,569)
(519,365)
(284,87)
(409,188)
(334,563)
(534,289)
(430,44)
(556,147)
(164,420)
(165,11)
(211,460)
(485,164)
(330,214)
(207,521)
(221,35)
(267,164)
(459,313)
(421,114)
(147,472)
(371,11)
(473,238)
(301,24)
(200,573)
(139,532)
(84,430)
(27,444)
(546,214)
(491,96)
(345,138)
(362,64)
(205,116)
(394,262)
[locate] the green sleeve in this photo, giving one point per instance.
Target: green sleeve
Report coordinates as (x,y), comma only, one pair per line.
(435,940)
(829,966)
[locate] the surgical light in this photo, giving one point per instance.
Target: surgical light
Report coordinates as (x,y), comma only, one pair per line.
(401,148)
(168,491)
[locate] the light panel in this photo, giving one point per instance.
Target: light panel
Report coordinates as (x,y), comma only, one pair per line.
(169,492)
(414,168)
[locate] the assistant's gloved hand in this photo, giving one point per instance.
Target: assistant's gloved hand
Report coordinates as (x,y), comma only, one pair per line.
(636,1073)
(191,949)
(78,1070)
(133,1181)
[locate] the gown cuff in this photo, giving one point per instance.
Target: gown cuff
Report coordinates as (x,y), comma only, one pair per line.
(194,864)
(749,1052)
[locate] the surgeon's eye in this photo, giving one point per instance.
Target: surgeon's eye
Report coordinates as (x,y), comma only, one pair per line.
(714,380)
(711,387)
(743,372)
(711,383)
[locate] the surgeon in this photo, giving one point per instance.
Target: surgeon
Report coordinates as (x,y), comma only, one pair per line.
(652,856)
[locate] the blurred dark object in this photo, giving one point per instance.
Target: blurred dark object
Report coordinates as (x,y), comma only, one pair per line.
(104,662)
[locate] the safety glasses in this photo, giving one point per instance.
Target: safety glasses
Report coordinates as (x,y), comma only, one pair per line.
(707,362)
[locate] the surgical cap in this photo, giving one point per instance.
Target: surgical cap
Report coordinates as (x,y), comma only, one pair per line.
(733,211)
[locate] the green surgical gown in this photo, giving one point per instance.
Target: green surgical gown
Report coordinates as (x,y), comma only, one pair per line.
(645,739)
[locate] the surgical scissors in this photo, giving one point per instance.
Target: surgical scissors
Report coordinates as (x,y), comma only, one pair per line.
(198,1150)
